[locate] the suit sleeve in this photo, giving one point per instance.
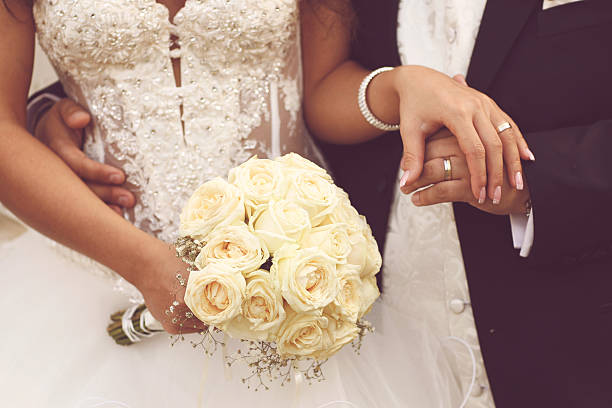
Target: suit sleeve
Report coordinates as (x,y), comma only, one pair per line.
(571,191)
(41,101)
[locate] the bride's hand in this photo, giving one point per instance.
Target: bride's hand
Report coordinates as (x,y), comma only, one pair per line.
(164,295)
(444,146)
(430,100)
(61,130)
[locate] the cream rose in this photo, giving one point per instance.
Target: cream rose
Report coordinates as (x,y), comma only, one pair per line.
(303,335)
(260,180)
(314,193)
(280,222)
(341,333)
(262,309)
(215,203)
(307,277)
(373,261)
(359,249)
(345,213)
(215,294)
(347,305)
(333,239)
(312,335)
(235,246)
(293,162)
(368,294)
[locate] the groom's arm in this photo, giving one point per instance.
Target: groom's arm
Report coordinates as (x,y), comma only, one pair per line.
(571,192)
(58,122)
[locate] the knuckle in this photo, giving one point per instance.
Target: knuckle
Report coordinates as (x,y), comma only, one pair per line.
(495,145)
(442,192)
(428,171)
(476,152)
(409,157)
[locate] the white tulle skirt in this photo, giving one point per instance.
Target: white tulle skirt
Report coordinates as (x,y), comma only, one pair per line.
(55,352)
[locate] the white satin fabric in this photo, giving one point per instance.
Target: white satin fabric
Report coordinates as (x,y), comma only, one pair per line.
(240,95)
(424,270)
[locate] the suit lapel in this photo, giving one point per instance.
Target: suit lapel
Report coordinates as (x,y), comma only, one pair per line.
(502,22)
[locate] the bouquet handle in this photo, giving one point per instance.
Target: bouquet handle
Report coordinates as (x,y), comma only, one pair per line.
(132,325)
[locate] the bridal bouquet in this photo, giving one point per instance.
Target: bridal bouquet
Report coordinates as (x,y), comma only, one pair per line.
(279,258)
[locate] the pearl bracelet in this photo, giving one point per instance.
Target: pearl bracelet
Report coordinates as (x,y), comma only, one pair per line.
(363,104)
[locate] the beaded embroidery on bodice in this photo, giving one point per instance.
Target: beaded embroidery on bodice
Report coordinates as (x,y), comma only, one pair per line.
(239,93)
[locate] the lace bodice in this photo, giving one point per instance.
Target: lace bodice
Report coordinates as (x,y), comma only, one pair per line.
(239,93)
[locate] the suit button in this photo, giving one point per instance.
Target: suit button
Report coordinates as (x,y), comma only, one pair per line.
(457,306)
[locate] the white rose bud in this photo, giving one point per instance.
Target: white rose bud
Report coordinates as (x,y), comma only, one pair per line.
(280,222)
(369,294)
(215,294)
(347,304)
(314,193)
(262,310)
(293,162)
(215,203)
(307,277)
(303,335)
(235,246)
(260,180)
(333,239)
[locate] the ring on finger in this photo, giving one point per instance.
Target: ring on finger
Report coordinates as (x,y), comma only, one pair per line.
(448,170)
(503,127)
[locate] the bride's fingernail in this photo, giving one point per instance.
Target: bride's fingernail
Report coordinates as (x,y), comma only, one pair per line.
(483,196)
(497,195)
(123,201)
(416,198)
(116,178)
(519,181)
(531,156)
(404,178)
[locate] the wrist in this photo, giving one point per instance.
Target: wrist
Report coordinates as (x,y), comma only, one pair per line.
(383,97)
(158,268)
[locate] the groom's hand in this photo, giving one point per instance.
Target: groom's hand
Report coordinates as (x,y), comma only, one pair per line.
(443,146)
(61,129)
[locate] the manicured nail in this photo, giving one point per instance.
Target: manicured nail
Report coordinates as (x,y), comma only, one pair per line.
(531,156)
(497,195)
(416,198)
(519,181)
(79,115)
(483,196)
(116,178)
(123,201)
(404,178)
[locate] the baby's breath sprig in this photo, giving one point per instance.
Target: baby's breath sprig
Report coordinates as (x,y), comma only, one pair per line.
(365,328)
(268,366)
(188,250)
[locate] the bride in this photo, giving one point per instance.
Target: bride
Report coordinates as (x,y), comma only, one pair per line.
(179,92)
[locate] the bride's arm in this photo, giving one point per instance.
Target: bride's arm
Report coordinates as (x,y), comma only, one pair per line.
(41,190)
(420,99)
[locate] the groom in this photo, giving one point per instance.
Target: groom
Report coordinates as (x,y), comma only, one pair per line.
(544,321)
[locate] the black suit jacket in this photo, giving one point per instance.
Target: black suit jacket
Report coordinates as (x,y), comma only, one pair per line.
(545,322)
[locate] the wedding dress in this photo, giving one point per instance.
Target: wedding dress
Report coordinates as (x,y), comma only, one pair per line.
(239,95)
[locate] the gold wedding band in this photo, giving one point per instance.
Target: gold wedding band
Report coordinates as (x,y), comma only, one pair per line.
(504,126)
(448,170)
